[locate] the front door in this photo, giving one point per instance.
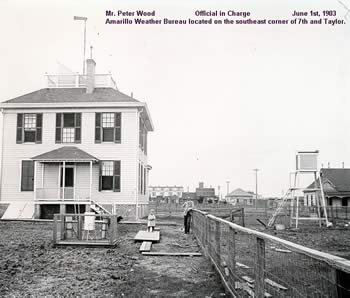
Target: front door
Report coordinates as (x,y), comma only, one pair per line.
(68,183)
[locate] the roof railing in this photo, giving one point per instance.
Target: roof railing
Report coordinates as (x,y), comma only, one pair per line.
(79,81)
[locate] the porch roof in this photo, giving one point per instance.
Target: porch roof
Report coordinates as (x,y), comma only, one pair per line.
(66,153)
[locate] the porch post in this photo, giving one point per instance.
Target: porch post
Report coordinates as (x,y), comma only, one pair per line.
(59,182)
(63,180)
(35,178)
(90,193)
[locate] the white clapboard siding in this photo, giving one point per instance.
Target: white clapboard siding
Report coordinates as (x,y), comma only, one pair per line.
(126,152)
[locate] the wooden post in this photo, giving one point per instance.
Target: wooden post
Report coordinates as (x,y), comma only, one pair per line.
(63,232)
(243,224)
(232,255)
(341,281)
(90,184)
(80,227)
(217,241)
(112,230)
(54,229)
(260,268)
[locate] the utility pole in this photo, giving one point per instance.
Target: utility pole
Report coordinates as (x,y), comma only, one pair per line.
(83,19)
(228,187)
(256,186)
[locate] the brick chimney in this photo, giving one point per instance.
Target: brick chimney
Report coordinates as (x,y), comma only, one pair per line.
(90,72)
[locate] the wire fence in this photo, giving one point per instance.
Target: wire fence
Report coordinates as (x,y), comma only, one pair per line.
(255,264)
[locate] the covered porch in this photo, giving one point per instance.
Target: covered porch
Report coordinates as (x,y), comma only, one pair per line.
(63,175)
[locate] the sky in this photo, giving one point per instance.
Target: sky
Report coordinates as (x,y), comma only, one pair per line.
(224,100)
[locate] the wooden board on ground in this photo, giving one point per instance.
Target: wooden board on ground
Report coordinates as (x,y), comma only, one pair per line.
(147,236)
(173,254)
(146,246)
(275,284)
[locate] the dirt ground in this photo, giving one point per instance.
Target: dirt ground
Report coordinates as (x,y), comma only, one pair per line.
(335,241)
(31,267)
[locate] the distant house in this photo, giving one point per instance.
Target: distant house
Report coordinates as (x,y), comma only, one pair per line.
(240,197)
(79,141)
(336,188)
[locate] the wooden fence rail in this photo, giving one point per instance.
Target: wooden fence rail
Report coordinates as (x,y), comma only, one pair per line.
(256,264)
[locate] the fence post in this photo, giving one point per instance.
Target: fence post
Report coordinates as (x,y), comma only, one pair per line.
(341,282)
(112,231)
(217,242)
(260,268)
(80,227)
(63,232)
(232,254)
(55,229)
(243,224)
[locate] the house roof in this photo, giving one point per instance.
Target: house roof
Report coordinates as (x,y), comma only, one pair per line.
(66,153)
(57,95)
(239,193)
(339,178)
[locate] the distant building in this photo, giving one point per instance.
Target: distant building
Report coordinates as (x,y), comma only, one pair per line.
(189,196)
(336,188)
(241,197)
(166,193)
(205,194)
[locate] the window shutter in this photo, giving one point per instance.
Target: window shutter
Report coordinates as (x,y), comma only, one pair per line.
(39,126)
(117,127)
(116,176)
(19,136)
(77,127)
(27,181)
(58,127)
(100,177)
(98,127)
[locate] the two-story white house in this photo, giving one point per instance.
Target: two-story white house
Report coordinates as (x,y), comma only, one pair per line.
(80,141)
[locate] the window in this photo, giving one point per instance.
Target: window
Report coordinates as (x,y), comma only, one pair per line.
(108,127)
(29,128)
(68,127)
(27,177)
(110,175)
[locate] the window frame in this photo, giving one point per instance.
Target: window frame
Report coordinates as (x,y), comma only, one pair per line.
(116,177)
(60,128)
(100,128)
(21,129)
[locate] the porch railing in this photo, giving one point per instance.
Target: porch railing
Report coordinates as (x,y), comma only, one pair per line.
(57,194)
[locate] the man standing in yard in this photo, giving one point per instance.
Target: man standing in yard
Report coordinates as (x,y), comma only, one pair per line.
(188,206)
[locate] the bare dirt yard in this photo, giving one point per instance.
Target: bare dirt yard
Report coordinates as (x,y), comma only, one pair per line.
(31,267)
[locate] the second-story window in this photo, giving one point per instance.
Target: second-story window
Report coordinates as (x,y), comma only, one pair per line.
(68,127)
(29,128)
(108,127)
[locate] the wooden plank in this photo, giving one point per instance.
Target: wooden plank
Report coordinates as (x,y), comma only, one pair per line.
(248,279)
(275,284)
(242,265)
(146,246)
(147,236)
(83,243)
(173,254)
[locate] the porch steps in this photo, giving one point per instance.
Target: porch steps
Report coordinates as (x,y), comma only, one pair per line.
(98,208)
(19,210)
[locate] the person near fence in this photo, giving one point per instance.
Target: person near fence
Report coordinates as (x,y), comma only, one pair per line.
(188,206)
(151,221)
